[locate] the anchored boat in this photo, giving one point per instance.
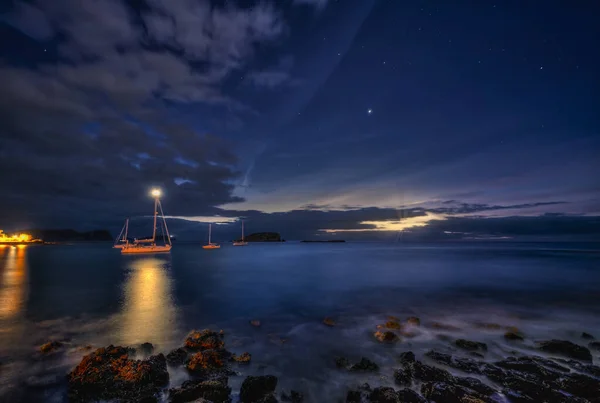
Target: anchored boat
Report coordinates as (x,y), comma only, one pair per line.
(210,245)
(122,240)
(241,242)
(150,245)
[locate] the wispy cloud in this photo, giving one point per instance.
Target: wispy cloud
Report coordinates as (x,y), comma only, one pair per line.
(391,225)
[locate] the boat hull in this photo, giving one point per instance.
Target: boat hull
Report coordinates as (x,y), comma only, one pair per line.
(211,246)
(119,246)
(240,243)
(132,250)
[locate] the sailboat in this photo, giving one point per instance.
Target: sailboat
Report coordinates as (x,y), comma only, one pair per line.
(210,245)
(242,242)
(149,245)
(122,240)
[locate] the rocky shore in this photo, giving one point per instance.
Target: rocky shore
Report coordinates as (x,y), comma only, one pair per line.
(459,371)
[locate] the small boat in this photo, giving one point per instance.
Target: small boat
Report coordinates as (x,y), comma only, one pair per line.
(210,245)
(150,245)
(122,240)
(242,242)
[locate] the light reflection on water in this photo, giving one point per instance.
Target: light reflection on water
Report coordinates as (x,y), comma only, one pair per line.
(13,288)
(148,311)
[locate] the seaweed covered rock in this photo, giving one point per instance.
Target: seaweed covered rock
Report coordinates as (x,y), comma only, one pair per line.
(329,321)
(215,391)
(177,357)
(428,373)
(470,345)
(514,336)
(205,361)
(407,356)
(566,349)
(413,321)
(255,388)
(383,395)
(243,358)
(204,340)
(587,336)
(582,386)
(146,348)
(448,393)
(392,324)
(109,373)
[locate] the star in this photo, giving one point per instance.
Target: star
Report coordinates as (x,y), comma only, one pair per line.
(369,111)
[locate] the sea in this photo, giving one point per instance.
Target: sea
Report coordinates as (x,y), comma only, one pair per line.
(91,295)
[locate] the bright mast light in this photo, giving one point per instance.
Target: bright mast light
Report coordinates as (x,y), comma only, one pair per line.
(155,192)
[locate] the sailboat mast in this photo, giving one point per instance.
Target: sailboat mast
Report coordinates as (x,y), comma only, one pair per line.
(155,214)
(242,230)
(162,214)
(209,231)
(126,229)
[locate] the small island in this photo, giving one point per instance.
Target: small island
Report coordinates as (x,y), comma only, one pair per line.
(263,237)
(324,241)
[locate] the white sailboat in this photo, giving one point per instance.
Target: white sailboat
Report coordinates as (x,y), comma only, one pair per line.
(122,240)
(241,242)
(210,245)
(149,245)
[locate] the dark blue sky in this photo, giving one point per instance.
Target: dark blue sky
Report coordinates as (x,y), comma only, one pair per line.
(310,117)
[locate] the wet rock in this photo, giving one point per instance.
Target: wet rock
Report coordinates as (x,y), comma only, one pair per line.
(529,366)
(329,321)
(582,386)
(269,398)
(177,357)
(50,347)
(549,363)
(470,345)
(342,362)
(536,390)
(514,336)
(242,358)
(255,323)
(386,337)
(587,336)
(402,377)
(275,339)
(594,345)
(476,354)
(448,393)
(108,373)
(413,321)
(205,361)
(204,340)
(257,387)
(384,395)
(587,368)
(353,396)
(215,391)
(464,364)
(444,326)
(428,373)
(410,396)
(146,348)
(391,324)
(294,397)
(565,348)
(364,365)
(476,385)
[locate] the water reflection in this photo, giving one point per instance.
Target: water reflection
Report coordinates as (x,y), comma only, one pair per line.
(13,289)
(149,312)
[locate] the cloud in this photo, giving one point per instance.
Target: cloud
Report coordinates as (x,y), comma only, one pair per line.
(392,225)
(276,76)
(92,131)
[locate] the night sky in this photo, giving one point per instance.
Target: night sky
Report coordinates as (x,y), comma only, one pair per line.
(355,119)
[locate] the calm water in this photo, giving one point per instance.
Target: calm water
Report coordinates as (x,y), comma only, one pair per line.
(90,294)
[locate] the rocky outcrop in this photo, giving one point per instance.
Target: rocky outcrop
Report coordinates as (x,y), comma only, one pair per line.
(329,321)
(109,373)
(386,336)
(566,349)
(177,357)
(51,347)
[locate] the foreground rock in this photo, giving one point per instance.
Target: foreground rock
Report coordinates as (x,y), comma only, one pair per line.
(294,397)
(587,336)
(464,364)
(205,361)
(566,349)
(215,391)
(365,393)
(257,388)
(329,321)
(108,373)
(177,357)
